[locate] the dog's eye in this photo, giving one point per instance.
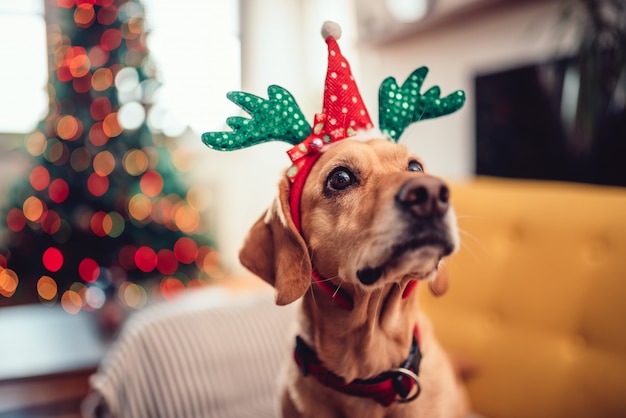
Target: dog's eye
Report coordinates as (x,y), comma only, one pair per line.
(415,166)
(340,178)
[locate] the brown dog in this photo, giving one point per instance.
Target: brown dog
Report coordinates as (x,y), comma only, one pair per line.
(372,223)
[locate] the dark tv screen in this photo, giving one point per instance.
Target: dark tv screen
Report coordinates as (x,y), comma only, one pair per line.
(528,125)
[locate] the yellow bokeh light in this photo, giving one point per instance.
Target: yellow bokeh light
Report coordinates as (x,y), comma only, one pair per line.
(104,163)
(33,208)
(47,288)
(80,159)
(198,197)
(132,295)
(67,127)
(111,125)
(102,79)
(55,150)
(139,206)
(36,143)
(8,282)
(71,302)
(135,162)
(186,219)
(80,65)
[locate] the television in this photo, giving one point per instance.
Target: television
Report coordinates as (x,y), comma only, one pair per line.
(532,123)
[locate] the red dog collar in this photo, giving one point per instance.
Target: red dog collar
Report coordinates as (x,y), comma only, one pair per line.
(395,385)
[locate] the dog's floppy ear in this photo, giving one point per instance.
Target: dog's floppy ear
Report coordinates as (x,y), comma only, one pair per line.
(276,252)
(439,284)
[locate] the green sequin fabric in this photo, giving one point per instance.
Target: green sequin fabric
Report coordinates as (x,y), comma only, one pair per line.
(400,106)
(277,118)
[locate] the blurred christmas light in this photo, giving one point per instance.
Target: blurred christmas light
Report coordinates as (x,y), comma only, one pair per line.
(80,159)
(113,224)
(52,259)
(33,208)
(135,162)
(96,223)
(145,259)
(186,250)
(126,257)
(8,282)
(16,220)
(131,115)
(97,184)
(84,15)
(47,288)
(71,302)
(139,207)
(187,219)
(104,163)
(58,190)
(101,106)
(171,288)
(166,262)
(39,178)
(89,270)
(132,295)
(111,125)
(151,183)
(97,136)
(51,222)
(94,297)
(36,143)
(68,128)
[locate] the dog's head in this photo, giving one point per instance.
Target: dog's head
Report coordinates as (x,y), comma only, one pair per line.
(364,213)
(370,214)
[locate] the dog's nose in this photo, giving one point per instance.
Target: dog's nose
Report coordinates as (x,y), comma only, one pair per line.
(424,196)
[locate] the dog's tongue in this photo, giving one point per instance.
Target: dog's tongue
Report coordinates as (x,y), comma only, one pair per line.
(369,275)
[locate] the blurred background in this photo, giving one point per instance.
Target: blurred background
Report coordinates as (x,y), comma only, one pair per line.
(110,200)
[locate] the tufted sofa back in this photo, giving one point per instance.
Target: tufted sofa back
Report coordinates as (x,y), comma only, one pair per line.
(537,299)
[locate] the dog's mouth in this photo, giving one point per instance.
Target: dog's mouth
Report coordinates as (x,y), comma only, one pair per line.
(417,257)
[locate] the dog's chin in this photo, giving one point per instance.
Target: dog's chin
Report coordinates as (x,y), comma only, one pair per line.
(416,263)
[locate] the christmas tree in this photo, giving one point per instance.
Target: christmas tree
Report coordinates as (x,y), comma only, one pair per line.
(102,212)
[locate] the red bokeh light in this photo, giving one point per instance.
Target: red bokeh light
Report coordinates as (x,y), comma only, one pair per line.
(89,270)
(39,178)
(127,257)
(58,190)
(145,259)
(107,15)
(51,222)
(96,223)
(97,135)
(97,185)
(167,262)
(186,250)
(52,259)
(151,183)
(3,262)
(111,39)
(171,288)
(100,108)
(16,221)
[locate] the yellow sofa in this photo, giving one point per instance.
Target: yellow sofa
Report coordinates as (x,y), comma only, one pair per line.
(537,298)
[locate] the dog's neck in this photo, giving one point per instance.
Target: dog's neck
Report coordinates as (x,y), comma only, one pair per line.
(375,334)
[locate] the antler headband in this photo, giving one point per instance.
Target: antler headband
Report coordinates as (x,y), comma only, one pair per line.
(343,114)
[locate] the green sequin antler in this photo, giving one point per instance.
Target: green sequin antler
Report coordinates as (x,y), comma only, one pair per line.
(401,106)
(277,119)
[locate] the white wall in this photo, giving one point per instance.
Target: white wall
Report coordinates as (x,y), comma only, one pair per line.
(499,37)
(281,45)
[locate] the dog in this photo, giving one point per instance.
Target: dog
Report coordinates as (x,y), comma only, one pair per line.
(373,223)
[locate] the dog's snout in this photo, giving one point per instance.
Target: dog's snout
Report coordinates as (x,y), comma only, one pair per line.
(424,196)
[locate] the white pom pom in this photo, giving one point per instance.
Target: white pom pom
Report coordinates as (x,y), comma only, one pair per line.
(331,30)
